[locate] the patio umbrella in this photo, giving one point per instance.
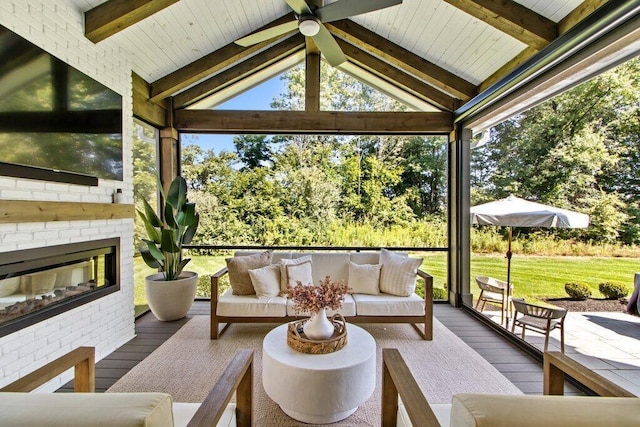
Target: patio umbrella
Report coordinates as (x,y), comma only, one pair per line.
(516,212)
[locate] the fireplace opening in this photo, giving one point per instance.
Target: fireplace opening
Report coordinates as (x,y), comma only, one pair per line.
(36,284)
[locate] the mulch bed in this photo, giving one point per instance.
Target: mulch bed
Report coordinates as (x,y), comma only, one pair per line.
(590,304)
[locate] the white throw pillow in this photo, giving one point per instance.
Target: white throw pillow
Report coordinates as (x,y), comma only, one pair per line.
(364,278)
(284,277)
(299,273)
(266,281)
(398,273)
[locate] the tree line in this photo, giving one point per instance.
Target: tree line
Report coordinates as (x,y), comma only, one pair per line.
(578,151)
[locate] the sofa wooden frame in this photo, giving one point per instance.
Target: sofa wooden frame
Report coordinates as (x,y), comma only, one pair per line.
(426,333)
(397,380)
(236,378)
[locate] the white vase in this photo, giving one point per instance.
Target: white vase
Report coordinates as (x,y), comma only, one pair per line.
(318,327)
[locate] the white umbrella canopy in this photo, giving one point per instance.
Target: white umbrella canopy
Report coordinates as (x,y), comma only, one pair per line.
(516,212)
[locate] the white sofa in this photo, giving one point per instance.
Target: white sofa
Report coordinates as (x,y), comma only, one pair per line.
(357,308)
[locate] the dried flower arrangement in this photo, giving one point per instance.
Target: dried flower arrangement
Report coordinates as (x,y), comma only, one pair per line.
(328,294)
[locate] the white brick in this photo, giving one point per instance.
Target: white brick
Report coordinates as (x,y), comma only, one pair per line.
(17,238)
(31,185)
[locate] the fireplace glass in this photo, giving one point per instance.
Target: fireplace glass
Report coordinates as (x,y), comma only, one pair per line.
(38,283)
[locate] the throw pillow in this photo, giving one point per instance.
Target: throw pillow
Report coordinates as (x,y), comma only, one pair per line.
(299,273)
(284,277)
(266,281)
(398,273)
(239,267)
(364,278)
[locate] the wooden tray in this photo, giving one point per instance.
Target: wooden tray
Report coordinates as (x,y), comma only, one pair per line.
(297,340)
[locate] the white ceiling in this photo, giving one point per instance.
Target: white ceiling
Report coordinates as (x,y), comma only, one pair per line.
(432,29)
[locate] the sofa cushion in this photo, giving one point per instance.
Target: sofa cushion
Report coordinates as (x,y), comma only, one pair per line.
(266,281)
(364,278)
(348,308)
(284,277)
(480,410)
(250,306)
(239,267)
(83,409)
(364,257)
(398,273)
(334,265)
(388,305)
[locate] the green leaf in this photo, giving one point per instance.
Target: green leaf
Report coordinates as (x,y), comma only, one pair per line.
(168,216)
(150,260)
(151,215)
(177,195)
(153,250)
(190,231)
(152,232)
(169,243)
(182,264)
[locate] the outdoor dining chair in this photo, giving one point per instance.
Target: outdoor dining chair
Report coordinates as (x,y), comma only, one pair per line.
(539,318)
(494,291)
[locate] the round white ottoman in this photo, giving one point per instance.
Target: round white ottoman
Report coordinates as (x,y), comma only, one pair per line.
(319,388)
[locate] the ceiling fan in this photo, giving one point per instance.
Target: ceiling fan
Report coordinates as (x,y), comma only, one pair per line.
(309,21)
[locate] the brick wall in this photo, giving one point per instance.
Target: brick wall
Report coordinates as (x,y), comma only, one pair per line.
(107,323)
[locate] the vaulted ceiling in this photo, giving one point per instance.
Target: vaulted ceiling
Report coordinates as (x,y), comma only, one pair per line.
(436,52)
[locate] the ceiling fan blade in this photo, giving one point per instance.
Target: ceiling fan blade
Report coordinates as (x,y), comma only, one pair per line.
(299,6)
(343,9)
(267,34)
(329,47)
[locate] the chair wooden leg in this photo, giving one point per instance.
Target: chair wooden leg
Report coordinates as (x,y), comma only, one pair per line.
(562,338)
(546,340)
(479,299)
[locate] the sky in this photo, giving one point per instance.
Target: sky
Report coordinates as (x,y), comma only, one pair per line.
(257,98)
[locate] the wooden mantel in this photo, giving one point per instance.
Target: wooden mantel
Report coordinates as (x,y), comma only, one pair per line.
(17,211)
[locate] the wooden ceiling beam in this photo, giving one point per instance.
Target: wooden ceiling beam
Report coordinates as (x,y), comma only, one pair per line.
(511,18)
(114,16)
(325,122)
(399,78)
(239,71)
(574,17)
(209,64)
(143,108)
(403,59)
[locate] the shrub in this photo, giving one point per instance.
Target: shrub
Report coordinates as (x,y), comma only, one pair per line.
(440,294)
(612,290)
(204,286)
(577,290)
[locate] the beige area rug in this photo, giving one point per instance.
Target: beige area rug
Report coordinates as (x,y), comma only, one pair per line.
(189,363)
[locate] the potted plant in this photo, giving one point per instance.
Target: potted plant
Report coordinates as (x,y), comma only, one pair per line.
(170,293)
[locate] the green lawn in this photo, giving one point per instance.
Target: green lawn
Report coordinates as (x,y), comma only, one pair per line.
(533,277)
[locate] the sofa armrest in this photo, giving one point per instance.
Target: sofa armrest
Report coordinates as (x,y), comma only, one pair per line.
(398,380)
(556,365)
(238,376)
(82,359)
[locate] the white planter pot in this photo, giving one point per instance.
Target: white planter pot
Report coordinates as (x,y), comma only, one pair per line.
(171,299)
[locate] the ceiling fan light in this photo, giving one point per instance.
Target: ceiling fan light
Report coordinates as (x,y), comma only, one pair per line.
(309,26)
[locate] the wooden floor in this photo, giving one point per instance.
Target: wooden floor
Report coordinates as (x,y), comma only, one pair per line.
(515,364)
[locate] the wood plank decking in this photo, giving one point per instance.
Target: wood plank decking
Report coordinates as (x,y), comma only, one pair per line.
(515,364)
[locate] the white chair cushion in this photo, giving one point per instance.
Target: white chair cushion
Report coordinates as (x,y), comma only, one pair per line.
(250,306)
(83,409)
(388,305)
(183,412)
(348,308)
(266,281)
(364,278)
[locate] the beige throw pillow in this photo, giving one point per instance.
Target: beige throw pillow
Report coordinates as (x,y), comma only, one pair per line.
(364,278)
(284,276)
(239,267)
(266,281)
(398,273)
(299,273)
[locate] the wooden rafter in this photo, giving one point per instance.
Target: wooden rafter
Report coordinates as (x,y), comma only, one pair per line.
(239,71)
(151,112)
(114,16)
(399,78)
(511,18)
(209,64)
(313,122)
(574,17)
(403,59)
(312,77)
(527,53)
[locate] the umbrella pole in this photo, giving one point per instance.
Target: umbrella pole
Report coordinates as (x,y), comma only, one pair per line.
(508,302)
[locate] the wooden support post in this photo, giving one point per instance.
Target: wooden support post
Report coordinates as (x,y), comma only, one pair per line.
(312,85)
(169,156)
